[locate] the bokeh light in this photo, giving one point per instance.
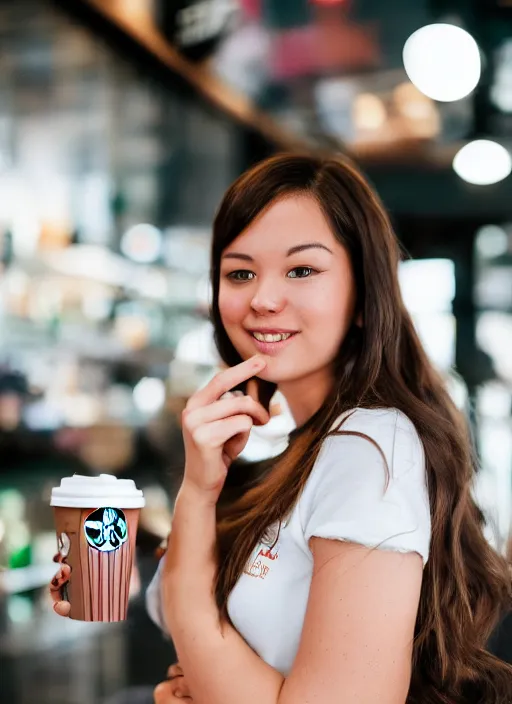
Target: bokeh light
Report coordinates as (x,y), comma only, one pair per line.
(482,162)
(443,61)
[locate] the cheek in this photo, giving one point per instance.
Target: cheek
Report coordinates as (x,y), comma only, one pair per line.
(232,306)
(332,306)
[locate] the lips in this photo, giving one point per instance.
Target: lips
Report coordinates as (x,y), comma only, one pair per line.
(271,337)
(271,348)
(269,331)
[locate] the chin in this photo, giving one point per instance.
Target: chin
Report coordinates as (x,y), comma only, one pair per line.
(273,374)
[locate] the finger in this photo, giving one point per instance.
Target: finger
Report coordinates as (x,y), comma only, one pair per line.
(232,394)
(175,670)
(180,688)
(216,434)
(227,380)
(59,581)
(253,390)
(275,410)
(61,577)
(259,394)
(221,410)
(233,447)
(164,694)
(228,394)
(62,608)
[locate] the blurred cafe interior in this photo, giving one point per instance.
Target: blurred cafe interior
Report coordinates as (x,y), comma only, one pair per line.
(122,122)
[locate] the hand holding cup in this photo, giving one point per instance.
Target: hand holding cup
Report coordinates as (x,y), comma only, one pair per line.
(96,524)
(60,605)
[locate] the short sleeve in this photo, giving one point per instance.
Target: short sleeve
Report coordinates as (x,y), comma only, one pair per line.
(353,496)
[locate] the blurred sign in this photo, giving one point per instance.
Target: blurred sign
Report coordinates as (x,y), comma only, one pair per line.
(332,42)
(285,14)
(195,26)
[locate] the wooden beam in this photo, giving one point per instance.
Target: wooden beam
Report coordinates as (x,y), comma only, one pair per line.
(133,18)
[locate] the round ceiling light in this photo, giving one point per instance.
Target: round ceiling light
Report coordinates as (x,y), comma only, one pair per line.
(482,162)
(443,61)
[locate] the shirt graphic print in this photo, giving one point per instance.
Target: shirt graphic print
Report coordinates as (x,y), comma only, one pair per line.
(264,554)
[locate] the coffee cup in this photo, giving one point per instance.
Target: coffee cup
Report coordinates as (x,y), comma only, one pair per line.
(96,523)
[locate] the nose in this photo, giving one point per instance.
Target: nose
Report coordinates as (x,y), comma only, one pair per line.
(268,298)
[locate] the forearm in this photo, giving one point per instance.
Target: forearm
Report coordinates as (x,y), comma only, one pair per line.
(220,667)
(190,559)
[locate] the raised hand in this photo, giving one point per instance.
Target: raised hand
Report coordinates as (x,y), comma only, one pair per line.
(216,426)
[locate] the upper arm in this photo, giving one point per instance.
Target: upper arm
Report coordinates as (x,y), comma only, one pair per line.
(356,643)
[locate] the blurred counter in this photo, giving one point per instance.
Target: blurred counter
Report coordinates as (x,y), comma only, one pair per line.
(50,660)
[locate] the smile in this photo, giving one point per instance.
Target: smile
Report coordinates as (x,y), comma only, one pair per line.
(271,343)
(269,337)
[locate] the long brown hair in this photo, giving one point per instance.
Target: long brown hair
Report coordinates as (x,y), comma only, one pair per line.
(466,584)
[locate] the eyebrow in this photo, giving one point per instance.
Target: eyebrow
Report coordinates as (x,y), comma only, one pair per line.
(292,250)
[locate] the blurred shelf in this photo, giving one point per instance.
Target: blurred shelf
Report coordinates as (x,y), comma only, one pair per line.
(92,264)
(20,333)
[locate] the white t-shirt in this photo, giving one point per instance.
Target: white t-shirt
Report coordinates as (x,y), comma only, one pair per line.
(345,498)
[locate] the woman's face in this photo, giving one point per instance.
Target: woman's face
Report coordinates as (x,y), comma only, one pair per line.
(287,276)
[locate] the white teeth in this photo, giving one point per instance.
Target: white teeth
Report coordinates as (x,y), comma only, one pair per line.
(271,338)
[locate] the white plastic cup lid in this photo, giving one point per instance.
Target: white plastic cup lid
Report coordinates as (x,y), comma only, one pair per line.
(106,490)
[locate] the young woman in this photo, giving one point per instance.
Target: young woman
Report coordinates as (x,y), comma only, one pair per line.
(353,569)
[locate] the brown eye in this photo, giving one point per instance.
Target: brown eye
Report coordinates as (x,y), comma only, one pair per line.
(304,272)
(240,275)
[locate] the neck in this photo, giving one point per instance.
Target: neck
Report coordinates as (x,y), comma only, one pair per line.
(305,396)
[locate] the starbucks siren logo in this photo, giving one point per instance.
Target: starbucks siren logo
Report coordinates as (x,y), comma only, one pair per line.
(106,529)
